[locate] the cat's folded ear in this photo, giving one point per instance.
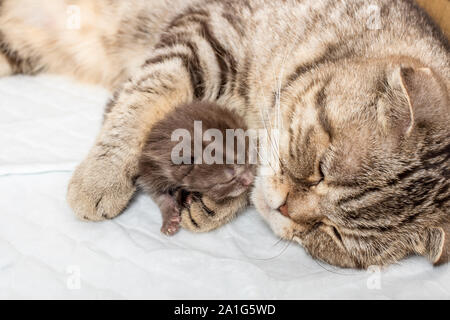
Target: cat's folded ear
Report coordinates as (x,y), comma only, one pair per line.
(435,245)
(419,98)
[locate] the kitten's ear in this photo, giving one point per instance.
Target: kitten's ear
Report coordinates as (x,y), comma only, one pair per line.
(424,95)
(436,245)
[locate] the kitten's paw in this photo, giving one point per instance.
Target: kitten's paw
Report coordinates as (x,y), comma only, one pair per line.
(203,215)
(97,192)
(171,215)
(172,225)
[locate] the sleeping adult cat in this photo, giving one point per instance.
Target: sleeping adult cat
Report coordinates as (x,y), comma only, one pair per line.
(361,89)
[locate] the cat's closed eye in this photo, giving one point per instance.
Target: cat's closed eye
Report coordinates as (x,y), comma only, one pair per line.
(321,173)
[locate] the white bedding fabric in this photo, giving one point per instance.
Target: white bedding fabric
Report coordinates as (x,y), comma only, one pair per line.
(47,125)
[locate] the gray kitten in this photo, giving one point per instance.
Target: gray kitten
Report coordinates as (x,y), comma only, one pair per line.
(175,185)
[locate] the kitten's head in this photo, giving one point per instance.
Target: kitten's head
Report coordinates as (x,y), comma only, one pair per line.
(213,176)
(365,164)
(219,182)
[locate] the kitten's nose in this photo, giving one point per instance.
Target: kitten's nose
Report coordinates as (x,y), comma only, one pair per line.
(246,179)
(284,210)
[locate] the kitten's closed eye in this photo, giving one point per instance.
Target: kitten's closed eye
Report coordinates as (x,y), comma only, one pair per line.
(321,177)
(230,173)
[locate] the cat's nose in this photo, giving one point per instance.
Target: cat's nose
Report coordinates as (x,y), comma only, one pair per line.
(246,179)
(284,210)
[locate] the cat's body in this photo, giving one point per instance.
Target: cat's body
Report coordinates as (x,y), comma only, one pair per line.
(101,42)
(361,99)
(172,175)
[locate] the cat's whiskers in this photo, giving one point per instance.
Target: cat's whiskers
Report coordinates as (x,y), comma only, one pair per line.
(278,121)
(333,271)
(288,243)
(264,113)
(268,132)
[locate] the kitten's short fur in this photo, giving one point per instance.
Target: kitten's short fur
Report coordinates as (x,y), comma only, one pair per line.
(168,183)
(358,89)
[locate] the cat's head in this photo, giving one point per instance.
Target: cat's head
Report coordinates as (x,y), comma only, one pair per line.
(364,168)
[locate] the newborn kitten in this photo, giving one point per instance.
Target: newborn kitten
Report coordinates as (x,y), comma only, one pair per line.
(173,185)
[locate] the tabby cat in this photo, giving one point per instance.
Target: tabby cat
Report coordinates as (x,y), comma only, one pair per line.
(360,90)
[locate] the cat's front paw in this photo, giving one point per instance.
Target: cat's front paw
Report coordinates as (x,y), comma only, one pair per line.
(97,191)
(201,214)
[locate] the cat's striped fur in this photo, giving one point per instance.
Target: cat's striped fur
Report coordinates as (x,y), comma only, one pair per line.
(363,110)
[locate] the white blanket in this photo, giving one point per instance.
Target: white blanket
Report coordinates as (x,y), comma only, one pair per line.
(47,125)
